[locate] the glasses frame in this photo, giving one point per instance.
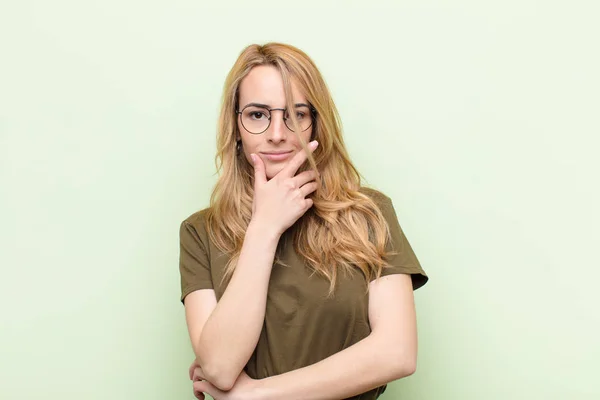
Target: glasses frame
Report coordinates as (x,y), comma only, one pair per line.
(313,114)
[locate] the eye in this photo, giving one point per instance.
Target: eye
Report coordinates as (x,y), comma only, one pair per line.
(300,114)
(257,115)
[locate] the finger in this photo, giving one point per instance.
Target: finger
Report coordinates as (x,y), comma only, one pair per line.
(309,188)
(292,167)
(304,177)
(198,375)
(206,387)
(193,366)
(308,203)
(260,175)
(198,389)
(199,395)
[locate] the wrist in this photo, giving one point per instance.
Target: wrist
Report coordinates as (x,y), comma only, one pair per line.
(260,390)
(263,230)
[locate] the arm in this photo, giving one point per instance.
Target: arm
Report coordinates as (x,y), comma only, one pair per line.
(224,334)
(387,354)
(215,328)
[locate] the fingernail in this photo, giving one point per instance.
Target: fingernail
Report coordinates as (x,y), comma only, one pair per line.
(313,145)
(253,157)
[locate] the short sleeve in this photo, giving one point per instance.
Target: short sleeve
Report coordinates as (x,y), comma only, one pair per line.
(194,262)
(403,259)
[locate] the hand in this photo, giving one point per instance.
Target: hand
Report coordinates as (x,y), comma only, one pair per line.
(196,375)
(281,201)
(245,388)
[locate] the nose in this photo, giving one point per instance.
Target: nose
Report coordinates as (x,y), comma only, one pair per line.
(277,131)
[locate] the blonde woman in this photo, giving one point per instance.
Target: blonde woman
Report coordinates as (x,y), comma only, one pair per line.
(297,281)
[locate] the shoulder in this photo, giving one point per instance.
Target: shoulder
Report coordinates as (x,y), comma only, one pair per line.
(383,202)
(195,223)
(379,198)
(197,218)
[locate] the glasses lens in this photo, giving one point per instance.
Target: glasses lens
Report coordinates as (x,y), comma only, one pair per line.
(303,116)
(255,119)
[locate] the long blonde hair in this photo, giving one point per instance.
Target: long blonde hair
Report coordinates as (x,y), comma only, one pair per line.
(344,229)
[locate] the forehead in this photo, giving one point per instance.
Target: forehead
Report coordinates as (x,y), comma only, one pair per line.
(264,85)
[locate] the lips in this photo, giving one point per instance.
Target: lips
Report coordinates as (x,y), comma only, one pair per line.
(276,155)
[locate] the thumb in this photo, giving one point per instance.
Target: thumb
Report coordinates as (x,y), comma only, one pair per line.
(260,175)
(202,387)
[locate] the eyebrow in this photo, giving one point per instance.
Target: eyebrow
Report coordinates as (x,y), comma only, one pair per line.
(268,106)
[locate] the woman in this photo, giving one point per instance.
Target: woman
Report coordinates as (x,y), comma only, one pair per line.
(297,282)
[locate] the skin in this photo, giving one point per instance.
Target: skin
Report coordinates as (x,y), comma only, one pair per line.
(280,199)
(264,85)
(387,354)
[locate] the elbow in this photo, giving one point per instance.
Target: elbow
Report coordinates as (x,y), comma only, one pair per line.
(407,368)
(403,365)
(220,376)
(215,370)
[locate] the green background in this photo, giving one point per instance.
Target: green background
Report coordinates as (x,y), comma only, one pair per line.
(479,118)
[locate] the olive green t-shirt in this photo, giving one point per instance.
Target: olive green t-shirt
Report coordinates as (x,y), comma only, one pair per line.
(302,325)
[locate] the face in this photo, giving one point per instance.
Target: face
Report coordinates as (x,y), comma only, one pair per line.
(278,144)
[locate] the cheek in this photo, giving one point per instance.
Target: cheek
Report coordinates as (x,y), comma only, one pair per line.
(306,137)
(310,133)
(246,155)
(249,143)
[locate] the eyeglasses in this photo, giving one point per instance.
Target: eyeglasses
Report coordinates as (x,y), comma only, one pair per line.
(256,118)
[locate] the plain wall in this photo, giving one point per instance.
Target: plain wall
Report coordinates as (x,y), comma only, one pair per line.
(479,119)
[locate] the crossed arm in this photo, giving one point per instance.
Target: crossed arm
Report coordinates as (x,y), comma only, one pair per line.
(387,354)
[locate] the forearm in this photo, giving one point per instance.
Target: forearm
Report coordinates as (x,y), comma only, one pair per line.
(230,334)
(365,365)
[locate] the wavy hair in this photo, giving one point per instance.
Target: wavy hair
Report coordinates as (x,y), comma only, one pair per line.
(344,229)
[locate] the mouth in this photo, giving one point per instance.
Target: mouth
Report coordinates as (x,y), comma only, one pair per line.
(276,155)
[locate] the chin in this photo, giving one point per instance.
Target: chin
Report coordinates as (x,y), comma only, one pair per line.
(272,170)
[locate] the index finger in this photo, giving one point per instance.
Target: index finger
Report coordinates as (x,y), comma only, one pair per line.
(191,369)
(292,167)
